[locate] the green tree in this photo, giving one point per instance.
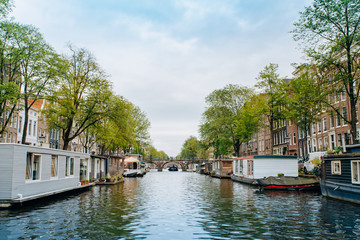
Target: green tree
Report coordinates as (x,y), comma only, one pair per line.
(152,153)
(250,118)
(80,99)
(191,148)
(273,88)
(10,80)
(303,101)
(218,125)
(330,31)
(142,125)
(38,66)
(5,8)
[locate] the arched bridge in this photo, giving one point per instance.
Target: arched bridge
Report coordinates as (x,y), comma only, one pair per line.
(183,164)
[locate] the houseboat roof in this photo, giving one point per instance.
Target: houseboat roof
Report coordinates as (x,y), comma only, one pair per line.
(131,160)
(267,156)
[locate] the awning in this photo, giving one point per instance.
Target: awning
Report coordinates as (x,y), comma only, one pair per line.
(131,160)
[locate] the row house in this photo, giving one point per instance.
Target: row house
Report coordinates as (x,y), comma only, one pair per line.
(328,132)
(331,130)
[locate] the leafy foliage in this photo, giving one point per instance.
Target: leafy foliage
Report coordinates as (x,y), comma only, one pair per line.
(80,101)
(330,31)
(218,127)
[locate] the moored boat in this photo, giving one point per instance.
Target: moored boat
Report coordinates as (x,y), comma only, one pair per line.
(289,183)
(340,175)
(133,167)
(173,168)
(250,168)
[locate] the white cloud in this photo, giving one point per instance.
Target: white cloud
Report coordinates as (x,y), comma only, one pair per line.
(166,67)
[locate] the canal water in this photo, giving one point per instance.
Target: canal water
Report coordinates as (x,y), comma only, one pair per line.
(182,205)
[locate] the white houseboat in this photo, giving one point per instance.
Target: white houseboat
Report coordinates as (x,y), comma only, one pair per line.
(133,166)
(249,169)
(28,172)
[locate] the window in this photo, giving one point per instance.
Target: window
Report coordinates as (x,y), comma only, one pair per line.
(84,170)
(32,167)
(330,98)
(69,166)
(336,167)
(343,94)
(355,172)
(338,120)
(314,145)
(241,167)
(236,166)
(344,115)
(339,143)
(250,167)
(326,142)
(332,120)
(29,130)
(20,124)
(324,124)
(319,126)
(294,137)
(320,144)
(34,129)
(332,141)
(54,166)
(337,95)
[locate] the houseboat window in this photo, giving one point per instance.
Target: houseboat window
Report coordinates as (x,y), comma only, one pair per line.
(83,169)
(69,166)
(32,167)
(241,166)
(336,167)
(236,166)
(28,166)
(250,167)
(54,166)
(36,167)
(355,168)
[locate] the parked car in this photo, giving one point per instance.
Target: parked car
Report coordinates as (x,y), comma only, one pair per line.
(313,161)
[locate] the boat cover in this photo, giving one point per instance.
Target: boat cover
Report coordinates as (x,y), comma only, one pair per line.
(287,181)
(131,160)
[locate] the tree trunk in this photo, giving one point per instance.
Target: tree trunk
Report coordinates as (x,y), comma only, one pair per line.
(353,116)
(26,120)
(66,135)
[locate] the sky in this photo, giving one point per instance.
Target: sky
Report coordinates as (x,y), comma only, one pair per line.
(166,56)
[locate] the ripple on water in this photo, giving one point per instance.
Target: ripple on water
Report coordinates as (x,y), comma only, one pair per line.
(176,205)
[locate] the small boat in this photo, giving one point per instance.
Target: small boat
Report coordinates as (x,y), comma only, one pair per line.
(130,174)
(289,183)
(133,167)
(173,168)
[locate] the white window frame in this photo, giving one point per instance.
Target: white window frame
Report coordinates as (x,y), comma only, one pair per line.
(241,167)
(250,167)
(344,114)
(69,168)
(29,176)
(336,167)
(56,158)
(355,179)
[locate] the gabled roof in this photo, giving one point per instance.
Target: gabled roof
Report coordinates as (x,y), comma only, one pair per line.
(37,104)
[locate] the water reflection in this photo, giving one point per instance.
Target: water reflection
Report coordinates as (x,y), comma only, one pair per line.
(180,205)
